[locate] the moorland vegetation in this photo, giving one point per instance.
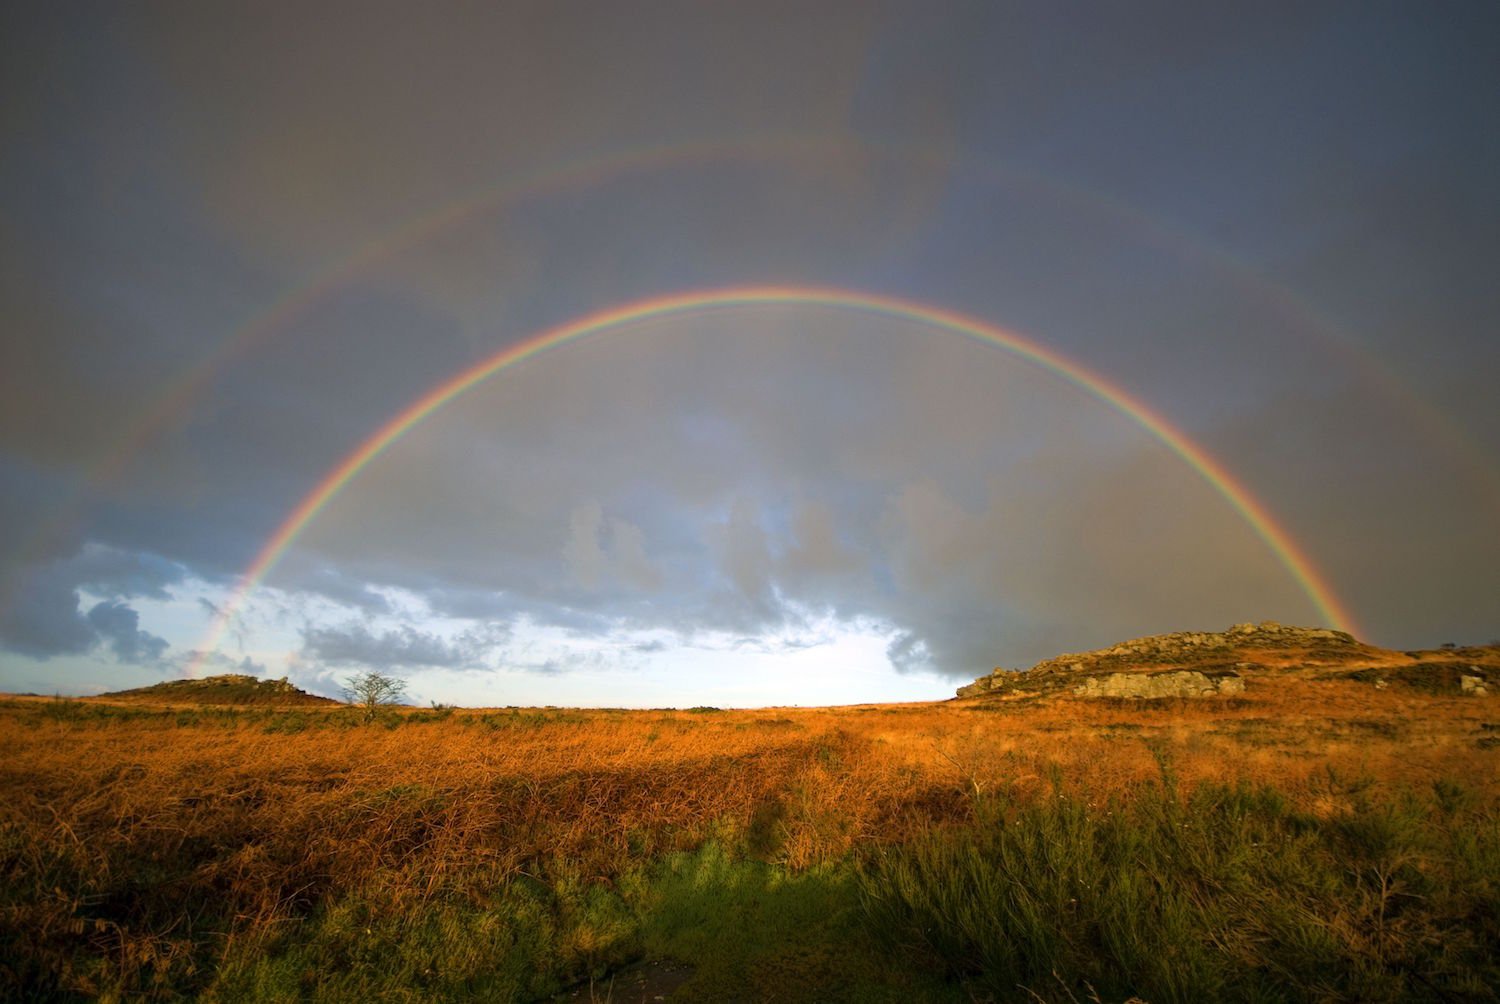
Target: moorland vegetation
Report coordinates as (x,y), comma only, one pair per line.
(1314,836)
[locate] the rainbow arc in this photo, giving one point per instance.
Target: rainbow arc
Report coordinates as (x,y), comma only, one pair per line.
(1255,514)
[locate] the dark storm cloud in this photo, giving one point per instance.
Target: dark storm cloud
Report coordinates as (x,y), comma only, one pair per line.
(110,572)
(209,493)
(42,618)
(46,620)
(118,626)
(342,146)
(1186,201)
(1441,528)
(346,590)
(42,614)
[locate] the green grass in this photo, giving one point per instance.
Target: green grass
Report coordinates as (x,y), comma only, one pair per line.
(1222,894)
(1225,894)
(524,942)
(755,932)
(747,929)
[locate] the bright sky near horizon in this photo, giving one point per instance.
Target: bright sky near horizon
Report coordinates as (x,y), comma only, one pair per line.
(1226,351)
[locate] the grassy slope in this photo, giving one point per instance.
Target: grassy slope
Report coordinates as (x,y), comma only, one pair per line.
(228,689)
(1311,838)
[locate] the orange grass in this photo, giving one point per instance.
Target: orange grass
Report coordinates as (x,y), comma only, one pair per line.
(139,848)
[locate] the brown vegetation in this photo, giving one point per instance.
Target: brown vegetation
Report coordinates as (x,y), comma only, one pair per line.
(140,847)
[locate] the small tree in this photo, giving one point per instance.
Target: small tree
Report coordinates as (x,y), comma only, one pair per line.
(372,690)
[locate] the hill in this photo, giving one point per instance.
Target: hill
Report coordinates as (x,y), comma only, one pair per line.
(229,688)
(1204,663)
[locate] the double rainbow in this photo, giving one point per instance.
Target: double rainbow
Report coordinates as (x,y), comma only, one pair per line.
(1236,494)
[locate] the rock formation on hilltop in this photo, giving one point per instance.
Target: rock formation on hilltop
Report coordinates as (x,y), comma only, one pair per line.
(1181,664)
(228,688)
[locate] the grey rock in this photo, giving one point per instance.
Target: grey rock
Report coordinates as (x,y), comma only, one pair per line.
(1173,683)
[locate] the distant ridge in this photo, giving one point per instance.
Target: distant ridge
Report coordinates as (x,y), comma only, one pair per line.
(229,688)
(1206,663)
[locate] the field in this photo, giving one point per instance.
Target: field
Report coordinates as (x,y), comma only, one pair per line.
(1305,840)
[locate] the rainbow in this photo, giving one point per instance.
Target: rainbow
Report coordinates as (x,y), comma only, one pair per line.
(1236,494)
(178,397)
(298,301)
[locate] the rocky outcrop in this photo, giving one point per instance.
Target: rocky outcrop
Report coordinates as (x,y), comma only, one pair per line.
(1181,664)
(985,684)
(228,688)
(1199,646)
(1171,683)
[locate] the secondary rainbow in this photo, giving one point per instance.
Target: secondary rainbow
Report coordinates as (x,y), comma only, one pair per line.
(177,398)
(1236,494)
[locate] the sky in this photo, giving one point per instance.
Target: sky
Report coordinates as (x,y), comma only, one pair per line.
(816,353)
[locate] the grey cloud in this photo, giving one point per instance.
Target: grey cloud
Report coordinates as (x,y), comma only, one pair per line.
(119,627)
(346,589)
(219,661)
(907,653)
(484,637)
(303,129)
(743,552)
(503,607)
(467,603)
(403,647)
(929,537)
(42,617)
(119,574)
(628,549)
(356,645)
(816,548)
(583,552)
(613,550)
(560,665)
(1140,203)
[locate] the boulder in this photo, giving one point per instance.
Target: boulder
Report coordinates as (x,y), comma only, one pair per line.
(1172,683)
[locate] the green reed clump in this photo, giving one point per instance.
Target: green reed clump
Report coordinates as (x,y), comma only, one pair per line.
(1226,893)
